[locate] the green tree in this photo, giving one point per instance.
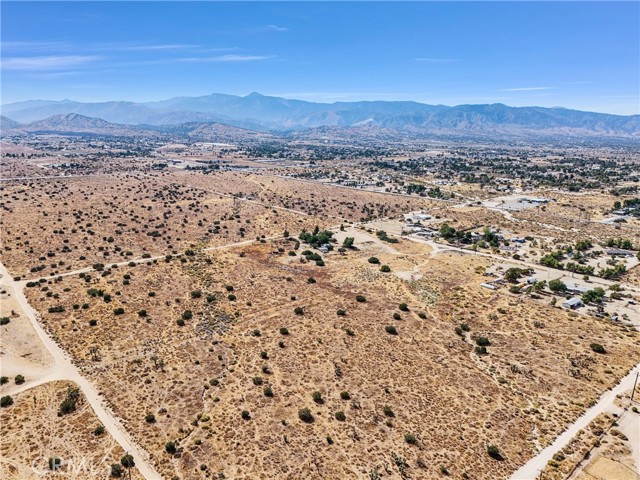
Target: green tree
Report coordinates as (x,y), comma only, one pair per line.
(557,285)
(447,231)
(593,296)
(127,462)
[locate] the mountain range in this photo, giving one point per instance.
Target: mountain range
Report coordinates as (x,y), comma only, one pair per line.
(261,113)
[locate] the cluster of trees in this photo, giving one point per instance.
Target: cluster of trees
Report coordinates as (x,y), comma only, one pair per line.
(593,296)
(581,269)
(317,237)
(433,192)
(583,245)
(613,272)
(553,260)
(382,235)
(631,203)
(488,238)
(623,243)
(514,274)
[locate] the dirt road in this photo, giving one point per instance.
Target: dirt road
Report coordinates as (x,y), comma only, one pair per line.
(62,368)
(531,470)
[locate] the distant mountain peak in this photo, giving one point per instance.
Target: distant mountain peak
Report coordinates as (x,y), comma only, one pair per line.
(260,112)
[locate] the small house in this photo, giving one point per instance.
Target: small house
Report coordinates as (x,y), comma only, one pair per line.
(572,303)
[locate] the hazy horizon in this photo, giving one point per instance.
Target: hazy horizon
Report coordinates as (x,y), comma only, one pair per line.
(576,55)
(294,99)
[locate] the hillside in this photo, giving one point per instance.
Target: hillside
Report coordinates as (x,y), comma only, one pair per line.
(266,113)
(6,123)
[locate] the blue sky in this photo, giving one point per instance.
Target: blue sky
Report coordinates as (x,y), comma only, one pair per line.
(583,55)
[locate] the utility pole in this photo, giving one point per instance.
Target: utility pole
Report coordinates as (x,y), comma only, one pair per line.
(634,386)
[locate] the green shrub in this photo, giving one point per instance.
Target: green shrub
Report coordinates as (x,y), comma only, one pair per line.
(403,307)
(410,438)
(360,299)
(116,470)
(374,260)
(391,330)
(245,415)
(317,397)
(483,341)
(284,331)
(385,268)
(171,447)
(596,347)
(340,416)
(388,412)
(268,392)
(345,395)
(305,415)
(6,401)
(494,452)
(69,403)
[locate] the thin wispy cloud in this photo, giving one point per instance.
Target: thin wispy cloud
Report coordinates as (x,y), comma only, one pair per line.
(226,58)
(52,62)
(53,75)
(525,89)
(29,45)
(266,28)
(159,47)
(578,83)
(435,60)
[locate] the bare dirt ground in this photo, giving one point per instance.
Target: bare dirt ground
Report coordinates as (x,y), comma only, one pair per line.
(198,378)
(313,198)
(205,355)
(53,226)
(33,432)
(21,352)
